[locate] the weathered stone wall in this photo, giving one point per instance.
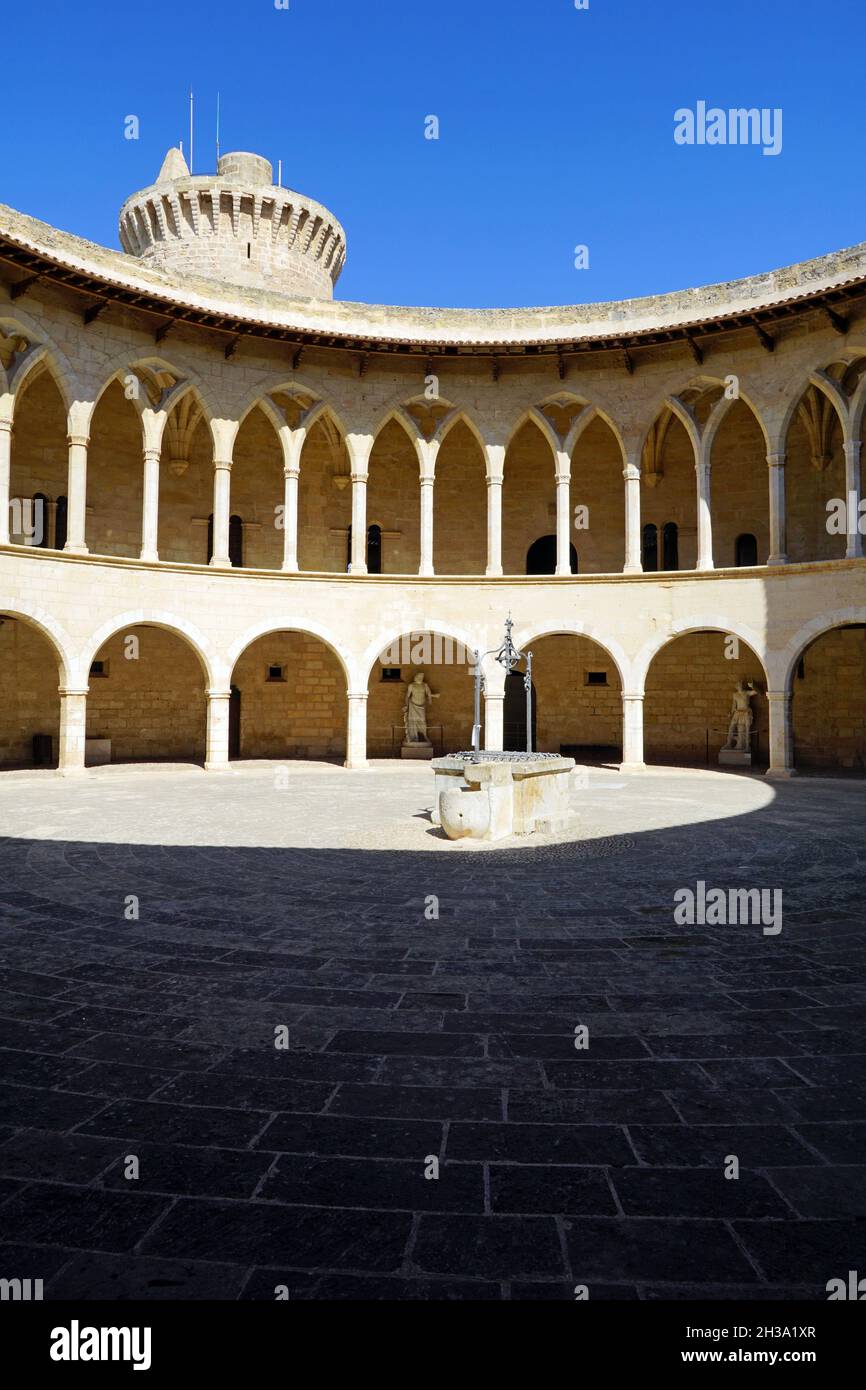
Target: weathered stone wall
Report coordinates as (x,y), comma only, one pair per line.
(829,704)
(39,450)
(809,490)
(568,710)
(301,716)
(460,506)
(324,504)
(152,708)
(393,500)
(115,477)
(689,692)
(453,709)
(29,702)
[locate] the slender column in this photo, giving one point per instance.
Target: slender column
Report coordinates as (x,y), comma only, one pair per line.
(633,559)
(705,516)
(73,729)
(854,548)
(781,736)
(76,491)
(778,510)
(5,473)
(150,507)
(217,755)
(222,484)
(494,722)
(427,484)
(291,476)
(495,465)
(632,733)
(563,517)
(356,735)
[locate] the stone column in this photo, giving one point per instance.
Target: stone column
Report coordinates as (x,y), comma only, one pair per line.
(427,483)
(222,483)
(494,720)
(563,514)
(495,465)
(356,734)
(291,476)
(76,491)
(705,516)
(217,755)
(5,475)
(778,510)
(73,729)
(633,557)
(150,506)
(781,736)
(854,547)
(632,733)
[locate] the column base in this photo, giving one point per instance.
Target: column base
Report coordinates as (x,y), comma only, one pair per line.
(357,569)
(777,560)
(426,572)
(780,774)
(217,563)
(705,568)
(855,552)
(75,550)
(632,569)
(493,572)
(77,771)
(218,767)
(291,568)
(632,767)
(149,556)
(356,764)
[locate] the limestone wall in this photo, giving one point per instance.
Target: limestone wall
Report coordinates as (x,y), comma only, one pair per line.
(152,707)
(28,692)
(829,705)
(301,715)
(688,700)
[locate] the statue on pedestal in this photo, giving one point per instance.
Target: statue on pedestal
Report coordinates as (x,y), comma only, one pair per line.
(418,697)
(742,718)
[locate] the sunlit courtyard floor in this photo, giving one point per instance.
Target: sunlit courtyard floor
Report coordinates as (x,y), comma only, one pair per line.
(158,925)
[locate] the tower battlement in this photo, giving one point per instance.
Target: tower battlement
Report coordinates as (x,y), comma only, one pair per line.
(235,226)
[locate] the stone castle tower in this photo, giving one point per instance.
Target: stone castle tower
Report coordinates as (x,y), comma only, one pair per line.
(235,226)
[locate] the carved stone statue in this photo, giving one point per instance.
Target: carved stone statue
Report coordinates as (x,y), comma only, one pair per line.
(418,697)
(742,718)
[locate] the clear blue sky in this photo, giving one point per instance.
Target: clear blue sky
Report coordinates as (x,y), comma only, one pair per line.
(556,130)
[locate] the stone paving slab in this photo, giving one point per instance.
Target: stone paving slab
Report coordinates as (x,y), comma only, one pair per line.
(427,1039)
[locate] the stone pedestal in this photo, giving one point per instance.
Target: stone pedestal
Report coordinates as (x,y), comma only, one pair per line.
(732,757)
(495,797)
(422,752)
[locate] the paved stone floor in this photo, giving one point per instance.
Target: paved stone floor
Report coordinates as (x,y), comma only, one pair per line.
(301,900)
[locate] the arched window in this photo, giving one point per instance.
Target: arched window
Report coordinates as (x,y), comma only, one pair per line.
(650,547)
(60,523)
(236,540)
(671,546)
(746,550)
(374,550)
(39,521)
(541,556)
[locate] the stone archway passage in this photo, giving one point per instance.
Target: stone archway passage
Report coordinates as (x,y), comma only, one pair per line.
(541,556)
(578,698)
(828,706)
(689,690)
(147,697)
(29,698)
(447,666)
(293,699)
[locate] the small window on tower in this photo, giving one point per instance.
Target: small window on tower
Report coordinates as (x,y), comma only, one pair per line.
(596,677)
(276,673)
(249,250)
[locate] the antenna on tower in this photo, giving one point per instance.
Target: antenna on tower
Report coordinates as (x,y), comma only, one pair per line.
(191,131)
(218,130)
(280,174)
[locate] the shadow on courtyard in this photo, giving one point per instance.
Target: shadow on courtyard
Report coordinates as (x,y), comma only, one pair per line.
(156,1143)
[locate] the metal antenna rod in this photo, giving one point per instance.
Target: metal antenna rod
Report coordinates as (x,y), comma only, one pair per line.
(191,125)
(218,130)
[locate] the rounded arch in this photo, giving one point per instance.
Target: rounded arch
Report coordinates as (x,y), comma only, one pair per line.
(43,353)
(170,622)
(650,650)
(49,629)
(787,661)
(269,628)
(389,636)
(608,644)
(816,378)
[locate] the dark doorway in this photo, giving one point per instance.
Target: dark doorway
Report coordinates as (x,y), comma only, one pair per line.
(671,546)
(60,517)
(650,548)
(374,550)
(41,538)
(514,714)
(235,723)
(541,556)
(746,551)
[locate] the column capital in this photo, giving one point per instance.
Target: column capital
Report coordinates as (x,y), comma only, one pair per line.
(357,695)
(853,448)
(631,473)
(222,464)
(777,460)
(73,690)
(292,470)
(563,479)
(80,441)
(357,477)
(628,695)
(5,426)
(780,695)
(219,694)
(494,479)
(152,455)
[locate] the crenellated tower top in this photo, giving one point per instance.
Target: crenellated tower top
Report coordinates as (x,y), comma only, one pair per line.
(235,226)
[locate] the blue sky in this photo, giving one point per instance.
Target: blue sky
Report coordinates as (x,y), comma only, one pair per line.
(556,130)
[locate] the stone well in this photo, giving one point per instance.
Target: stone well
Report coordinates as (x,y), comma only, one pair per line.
(488,796)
